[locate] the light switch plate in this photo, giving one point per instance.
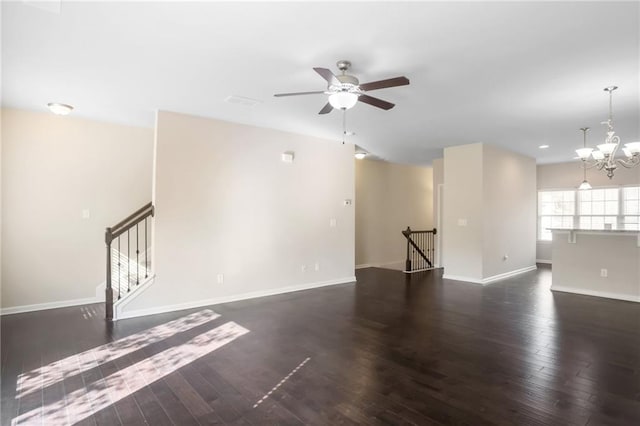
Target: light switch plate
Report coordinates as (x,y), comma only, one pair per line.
(86,213)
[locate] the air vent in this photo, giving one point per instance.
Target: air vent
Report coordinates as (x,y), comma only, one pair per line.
(239,100)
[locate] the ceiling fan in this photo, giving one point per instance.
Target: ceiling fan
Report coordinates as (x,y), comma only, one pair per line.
(345,90)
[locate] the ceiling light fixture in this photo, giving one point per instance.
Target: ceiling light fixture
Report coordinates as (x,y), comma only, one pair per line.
(343,100)
(605,156)
(360,155)
(584,185)
(59,109)
(543,146)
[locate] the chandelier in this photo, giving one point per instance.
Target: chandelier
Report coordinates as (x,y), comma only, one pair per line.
(604,158)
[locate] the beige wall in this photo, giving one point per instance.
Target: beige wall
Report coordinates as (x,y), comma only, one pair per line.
(570,175)
(54,167)
(488,212)
(438,192)
(226,204)
(462,211)
(509,201)
(390,197)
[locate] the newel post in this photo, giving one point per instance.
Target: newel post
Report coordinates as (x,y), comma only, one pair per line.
(108,289)
(407,234)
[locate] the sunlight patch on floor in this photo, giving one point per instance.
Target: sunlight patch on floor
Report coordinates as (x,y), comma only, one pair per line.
(84,402)
(75,364)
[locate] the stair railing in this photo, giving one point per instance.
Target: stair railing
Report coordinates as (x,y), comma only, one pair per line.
(421,249)
(129,228)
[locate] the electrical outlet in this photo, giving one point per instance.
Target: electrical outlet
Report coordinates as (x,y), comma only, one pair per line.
(220,279)
(604,273)
(317,266)
(333,222)
(304,268)
(86,214)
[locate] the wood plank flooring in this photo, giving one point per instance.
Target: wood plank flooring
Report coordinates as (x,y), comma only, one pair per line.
(388,350)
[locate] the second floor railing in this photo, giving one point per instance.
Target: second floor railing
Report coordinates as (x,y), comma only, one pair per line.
(421,249)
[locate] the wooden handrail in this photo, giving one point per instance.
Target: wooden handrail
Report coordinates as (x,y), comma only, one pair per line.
(132,215)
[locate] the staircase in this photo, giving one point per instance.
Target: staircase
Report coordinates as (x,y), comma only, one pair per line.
(128,257)
(127,273)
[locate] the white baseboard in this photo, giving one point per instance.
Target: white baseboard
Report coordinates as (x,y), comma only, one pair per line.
(232,298)
(461,278)
(605,294)
(390,265)
(420,270)
(509,274)
(365,265)
(489,280)
(545,261)
(49,305)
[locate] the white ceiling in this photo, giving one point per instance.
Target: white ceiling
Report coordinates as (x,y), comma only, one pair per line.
(512,74)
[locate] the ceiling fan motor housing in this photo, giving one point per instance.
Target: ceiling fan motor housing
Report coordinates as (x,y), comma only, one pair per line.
(348,83)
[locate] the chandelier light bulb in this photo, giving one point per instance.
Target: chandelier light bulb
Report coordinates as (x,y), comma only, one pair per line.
(633,147)
(584,153)
(584,185)
(607,148)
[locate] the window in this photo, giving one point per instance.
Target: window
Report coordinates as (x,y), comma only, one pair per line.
(631,208)
(601,208)
(556,209)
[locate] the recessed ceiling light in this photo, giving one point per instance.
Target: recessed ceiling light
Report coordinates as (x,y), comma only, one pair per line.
(543,146)
(360,155)
(59,109)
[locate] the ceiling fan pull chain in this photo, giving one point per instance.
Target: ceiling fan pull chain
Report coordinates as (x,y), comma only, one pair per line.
(344,125)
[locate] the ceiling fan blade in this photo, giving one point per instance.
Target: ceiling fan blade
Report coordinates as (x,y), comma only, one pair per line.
(327,75)
(326,109)
(375,102)
(278,95)
(382,84)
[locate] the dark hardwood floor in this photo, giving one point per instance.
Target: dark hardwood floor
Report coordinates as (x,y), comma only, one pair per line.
(387,350)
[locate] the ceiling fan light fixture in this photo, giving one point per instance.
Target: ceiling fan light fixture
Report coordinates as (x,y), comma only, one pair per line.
(343,100)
